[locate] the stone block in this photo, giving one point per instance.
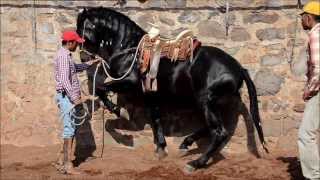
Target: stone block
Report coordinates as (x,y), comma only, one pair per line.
(47,28)
(274,3)
(154,3)
(144,19)
(166,20)
(188,17)
(63,19)
(241,129)
(271,60)
(267,83)
(289,141)
(240,34)
(176,3)
(261,17)
(212,29)
(241,3)
(233,51)
(299,65)
(272,128)
(64,3)
(290,124)
(297,42)
(293,29)
(270,34)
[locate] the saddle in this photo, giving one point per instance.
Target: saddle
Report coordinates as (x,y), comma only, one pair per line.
(154,47)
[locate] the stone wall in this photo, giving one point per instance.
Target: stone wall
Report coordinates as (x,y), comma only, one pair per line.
(263,35)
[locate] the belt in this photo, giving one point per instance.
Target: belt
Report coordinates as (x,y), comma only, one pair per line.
(62,92)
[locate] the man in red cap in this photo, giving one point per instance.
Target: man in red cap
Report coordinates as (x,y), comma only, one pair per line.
(68,95)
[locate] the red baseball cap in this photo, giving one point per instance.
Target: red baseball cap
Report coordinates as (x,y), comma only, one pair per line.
(71,36)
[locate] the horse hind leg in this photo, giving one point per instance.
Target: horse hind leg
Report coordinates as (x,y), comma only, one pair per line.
(218,135)
(225,85)
(189,140)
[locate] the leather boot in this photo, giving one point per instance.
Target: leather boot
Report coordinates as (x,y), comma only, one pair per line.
(68,166)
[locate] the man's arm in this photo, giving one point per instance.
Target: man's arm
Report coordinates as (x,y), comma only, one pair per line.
(81,67)
(86,65)
(314,83)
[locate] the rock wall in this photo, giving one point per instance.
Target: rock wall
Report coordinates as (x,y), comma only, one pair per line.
(263,35)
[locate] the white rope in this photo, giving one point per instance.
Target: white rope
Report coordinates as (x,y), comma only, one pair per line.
(191,50)
(130,68)
(94,87)
(104,64)
(74,116)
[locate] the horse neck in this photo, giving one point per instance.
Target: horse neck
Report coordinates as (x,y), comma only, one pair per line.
(126,35)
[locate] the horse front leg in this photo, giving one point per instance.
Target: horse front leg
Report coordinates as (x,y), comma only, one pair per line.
(157,129)
(113,108)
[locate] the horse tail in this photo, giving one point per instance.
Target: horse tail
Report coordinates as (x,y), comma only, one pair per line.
(254,111)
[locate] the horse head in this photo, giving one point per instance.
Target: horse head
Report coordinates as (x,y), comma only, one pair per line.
(106,32)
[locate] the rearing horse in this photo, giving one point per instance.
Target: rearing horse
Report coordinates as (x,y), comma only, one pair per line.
(212,75)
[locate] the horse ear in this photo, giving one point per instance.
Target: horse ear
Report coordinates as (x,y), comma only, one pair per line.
(83,11)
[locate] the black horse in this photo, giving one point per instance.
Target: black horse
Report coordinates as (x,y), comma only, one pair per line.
(212,75)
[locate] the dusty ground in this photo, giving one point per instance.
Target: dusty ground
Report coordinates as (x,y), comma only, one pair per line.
(122,163)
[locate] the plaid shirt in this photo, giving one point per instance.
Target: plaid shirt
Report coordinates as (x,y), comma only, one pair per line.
(65,74)
(313,73)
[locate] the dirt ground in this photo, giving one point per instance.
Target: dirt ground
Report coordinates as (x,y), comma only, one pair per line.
(18,163)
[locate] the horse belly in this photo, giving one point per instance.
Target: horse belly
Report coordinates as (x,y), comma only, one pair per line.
(176,86)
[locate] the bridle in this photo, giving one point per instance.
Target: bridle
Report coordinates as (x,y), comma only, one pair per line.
(104,63)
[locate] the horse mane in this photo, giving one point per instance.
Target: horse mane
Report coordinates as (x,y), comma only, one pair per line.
(107,13)
(127,20)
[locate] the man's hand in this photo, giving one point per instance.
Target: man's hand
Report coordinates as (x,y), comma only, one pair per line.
(77,102)
(78,107)
(307,94)
(91,62)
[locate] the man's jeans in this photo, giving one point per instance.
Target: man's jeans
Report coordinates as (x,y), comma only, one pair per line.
(307,142)
(64,105)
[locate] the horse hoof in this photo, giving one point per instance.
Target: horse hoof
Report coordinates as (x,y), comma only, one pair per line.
(183,152)
(124,114)
(161,154)
(188,169)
